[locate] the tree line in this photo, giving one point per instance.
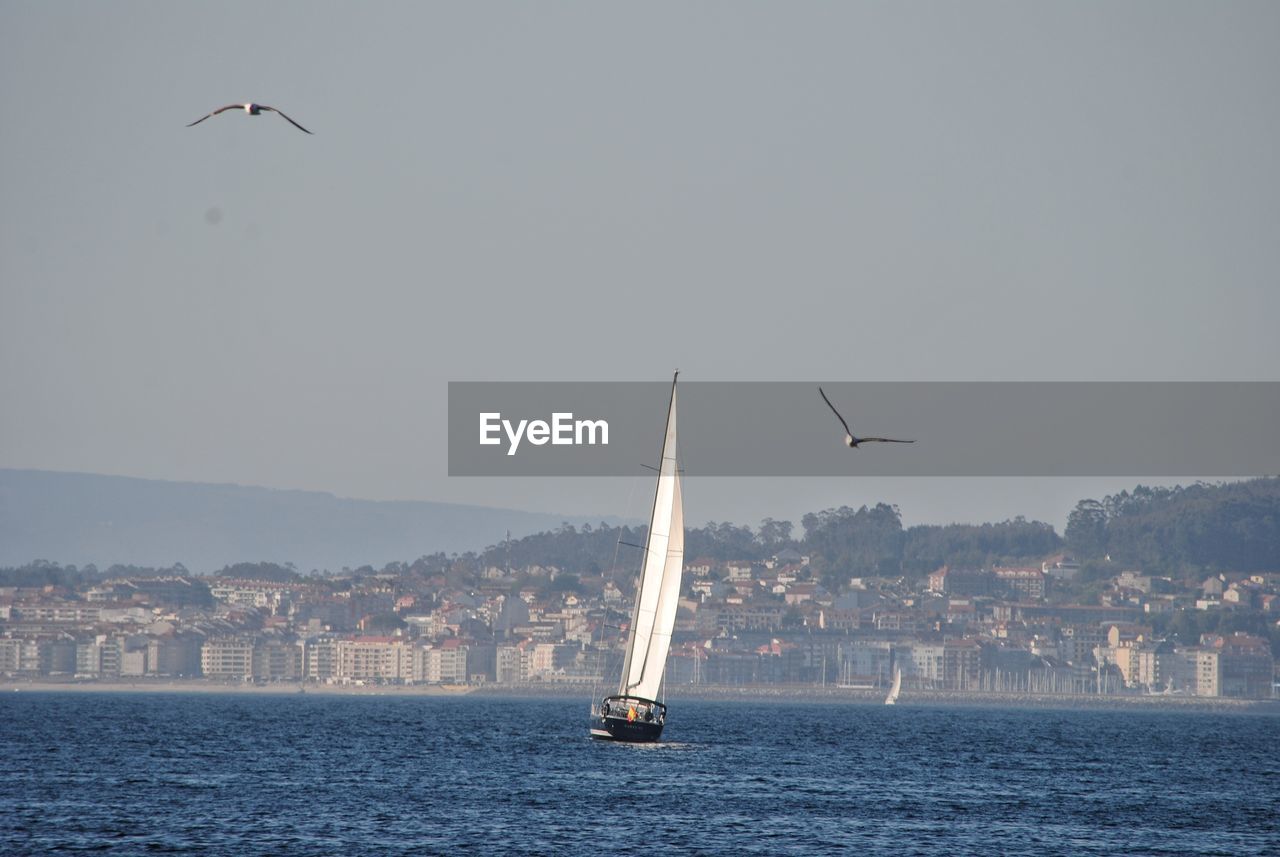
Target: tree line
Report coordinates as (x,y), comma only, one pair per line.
(1184,530)
(1202,527)
(844,542)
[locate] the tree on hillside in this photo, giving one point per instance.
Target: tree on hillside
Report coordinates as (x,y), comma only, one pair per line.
(1183,530)
(927,546)
(1086,533)
(260,571)
(857,543)
(774,535)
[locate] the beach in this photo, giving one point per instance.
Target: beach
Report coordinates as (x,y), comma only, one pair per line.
(755,693)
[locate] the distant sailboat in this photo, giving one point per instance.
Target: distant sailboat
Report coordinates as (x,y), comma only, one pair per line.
(895,689)
(634,712)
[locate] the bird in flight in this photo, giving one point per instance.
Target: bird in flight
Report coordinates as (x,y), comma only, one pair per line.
(849,438)
(252,110)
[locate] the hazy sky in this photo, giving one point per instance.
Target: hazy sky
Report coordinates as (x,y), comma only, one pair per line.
(588,191)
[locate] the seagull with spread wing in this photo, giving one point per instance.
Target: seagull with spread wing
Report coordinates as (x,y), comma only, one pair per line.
(252,109)
(849,437)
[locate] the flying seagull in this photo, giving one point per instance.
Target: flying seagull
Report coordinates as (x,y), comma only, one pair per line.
(252,110)
(848,435)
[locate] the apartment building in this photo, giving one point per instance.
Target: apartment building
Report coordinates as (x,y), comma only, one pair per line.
(227,658)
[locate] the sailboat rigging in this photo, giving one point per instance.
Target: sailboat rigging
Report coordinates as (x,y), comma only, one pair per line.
(635,713)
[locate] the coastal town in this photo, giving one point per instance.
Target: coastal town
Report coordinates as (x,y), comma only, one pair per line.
(761,623)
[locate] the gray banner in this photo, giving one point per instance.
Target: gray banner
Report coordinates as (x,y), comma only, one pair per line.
(785,429)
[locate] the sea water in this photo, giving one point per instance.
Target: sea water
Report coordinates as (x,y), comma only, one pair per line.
(308,774)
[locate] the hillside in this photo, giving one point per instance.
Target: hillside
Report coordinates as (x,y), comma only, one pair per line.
(78,518)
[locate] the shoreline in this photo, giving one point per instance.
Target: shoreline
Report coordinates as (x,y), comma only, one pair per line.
(925,698)
(760,694)
(213,687)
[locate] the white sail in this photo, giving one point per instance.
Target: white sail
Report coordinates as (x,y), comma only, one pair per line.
(668,598)
(892,698)
(654,617)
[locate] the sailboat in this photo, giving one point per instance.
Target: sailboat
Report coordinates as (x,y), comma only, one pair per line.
(895,688)
(635,713)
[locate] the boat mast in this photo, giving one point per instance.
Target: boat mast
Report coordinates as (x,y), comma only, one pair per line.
(635,610)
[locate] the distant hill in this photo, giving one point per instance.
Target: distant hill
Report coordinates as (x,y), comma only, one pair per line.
(80,518)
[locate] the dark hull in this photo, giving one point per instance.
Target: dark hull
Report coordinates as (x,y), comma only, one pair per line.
(618,729)
(613,723)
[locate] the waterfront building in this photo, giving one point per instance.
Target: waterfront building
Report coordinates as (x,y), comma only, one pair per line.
(548,659)
(320,658)
(133,657)
(1246,663)
(961,664)
(277,660)
(227,658)
(99,656)
(374,659)
(1208,672)
(173,655)
(445,663)
(513,663)
(865,661)
(37,655)
(923,662)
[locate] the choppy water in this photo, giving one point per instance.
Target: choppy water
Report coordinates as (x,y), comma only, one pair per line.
(237,775)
